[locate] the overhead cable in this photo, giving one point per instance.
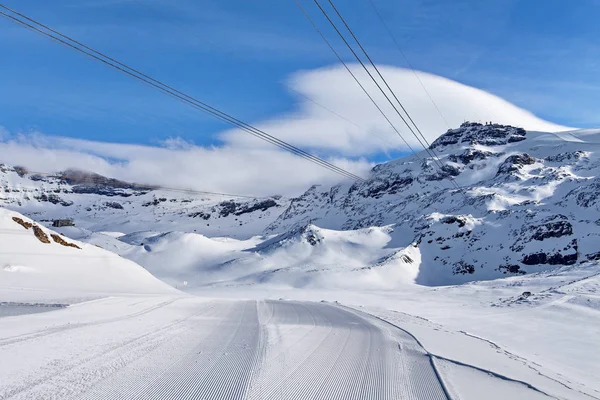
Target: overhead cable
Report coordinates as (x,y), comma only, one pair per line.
(44,30)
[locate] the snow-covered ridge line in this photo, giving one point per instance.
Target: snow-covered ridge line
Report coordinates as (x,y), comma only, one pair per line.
(98,203)
(528,202)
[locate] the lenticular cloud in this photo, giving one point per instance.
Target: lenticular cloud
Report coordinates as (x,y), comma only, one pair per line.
(363,130)
(240,163)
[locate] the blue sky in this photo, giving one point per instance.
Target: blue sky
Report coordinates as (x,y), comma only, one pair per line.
(237,55)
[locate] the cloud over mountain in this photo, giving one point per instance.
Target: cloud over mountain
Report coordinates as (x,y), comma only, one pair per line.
(240,163)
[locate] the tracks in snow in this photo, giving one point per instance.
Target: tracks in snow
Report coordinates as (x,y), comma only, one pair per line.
(234,350)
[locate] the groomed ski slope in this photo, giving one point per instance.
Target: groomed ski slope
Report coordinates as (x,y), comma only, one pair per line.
(190,348)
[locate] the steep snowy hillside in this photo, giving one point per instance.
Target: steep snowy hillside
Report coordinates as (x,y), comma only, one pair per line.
(102,204)
(529,201)
(35,258)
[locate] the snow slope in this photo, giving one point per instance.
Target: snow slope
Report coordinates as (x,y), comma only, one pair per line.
(26,262)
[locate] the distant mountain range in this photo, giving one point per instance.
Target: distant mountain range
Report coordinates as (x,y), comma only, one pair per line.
(485,201)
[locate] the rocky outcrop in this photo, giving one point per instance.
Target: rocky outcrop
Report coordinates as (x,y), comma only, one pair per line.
(558,226)
(90,180)
(54,199)
(114,205)
(473,133)
(232,207)
(390,185)
(550,258)
(63,242)
(514,163)
(470,155)
(40,234)
(587,194)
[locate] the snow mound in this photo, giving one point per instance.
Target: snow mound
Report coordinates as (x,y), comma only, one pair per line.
(34,257)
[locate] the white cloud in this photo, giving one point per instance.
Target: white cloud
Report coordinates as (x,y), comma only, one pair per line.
(313,127)
(245,165)
(229,169)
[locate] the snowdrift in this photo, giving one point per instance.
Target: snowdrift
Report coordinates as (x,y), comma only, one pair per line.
(34,257)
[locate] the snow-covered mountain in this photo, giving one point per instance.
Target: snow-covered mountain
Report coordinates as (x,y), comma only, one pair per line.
(486,201)
(98,203)
(527,201)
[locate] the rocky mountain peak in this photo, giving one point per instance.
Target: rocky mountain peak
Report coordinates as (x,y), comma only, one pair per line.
(473,133)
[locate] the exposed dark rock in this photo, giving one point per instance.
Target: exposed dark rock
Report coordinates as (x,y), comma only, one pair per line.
(513,269)
(77,177)
(586,195)
(593,256)
(524,296)
(227,207)
(391,185)
(444,172)
(475,133)
(470,155)
(23,223)
(154,202)
(312,238)
(114,204)
(40,234)
(551,259)
(567,156)
(203,215)
(237,209)
(462,267)
(100,190)
(261,205)
(515,162)
(54,199)
(21,171)
(450,219)
(554,229)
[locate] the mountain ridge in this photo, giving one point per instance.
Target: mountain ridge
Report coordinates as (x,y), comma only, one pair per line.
(528,202)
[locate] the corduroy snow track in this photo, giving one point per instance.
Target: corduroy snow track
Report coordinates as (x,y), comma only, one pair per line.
(190,348)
